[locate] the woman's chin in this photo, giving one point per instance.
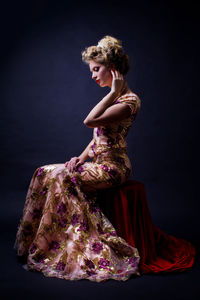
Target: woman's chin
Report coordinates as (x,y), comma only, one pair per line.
(103,85)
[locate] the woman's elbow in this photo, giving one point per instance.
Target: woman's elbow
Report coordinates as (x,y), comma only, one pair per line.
(88,123)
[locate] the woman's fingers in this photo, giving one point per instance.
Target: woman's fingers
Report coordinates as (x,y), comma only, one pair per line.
(71,168)
(117,81)
(117,74)
(114,71)
(120,76)
(78,163)
(113,74)
(74,163)
(71,165)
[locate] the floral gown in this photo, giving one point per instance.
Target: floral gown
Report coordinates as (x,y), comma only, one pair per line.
(62,230)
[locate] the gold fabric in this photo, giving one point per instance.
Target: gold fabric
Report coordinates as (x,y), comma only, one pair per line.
(62,230)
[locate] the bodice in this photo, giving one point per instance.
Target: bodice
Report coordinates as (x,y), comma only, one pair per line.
(112,137)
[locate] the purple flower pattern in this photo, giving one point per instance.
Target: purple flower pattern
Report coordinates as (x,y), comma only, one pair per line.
(112,233)
(105,168)
(61,209)
(91,272)
(44,191)
(40,171)
(133,261)
(79,207)
(83,226)
(79,169)
(74,219)
(98,131)
(97,247)
(63,222)
(93,148)
(73,179)
(89,263)
(103,263)
(60,266)
(115,177)
(32,248)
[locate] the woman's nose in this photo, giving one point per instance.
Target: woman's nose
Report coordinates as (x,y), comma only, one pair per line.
(94,76)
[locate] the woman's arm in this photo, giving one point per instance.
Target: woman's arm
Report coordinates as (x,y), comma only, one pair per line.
(114,113)
(104,112)
(100,107)
(74,162)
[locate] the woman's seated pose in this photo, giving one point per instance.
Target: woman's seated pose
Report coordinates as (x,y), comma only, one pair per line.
(63,232)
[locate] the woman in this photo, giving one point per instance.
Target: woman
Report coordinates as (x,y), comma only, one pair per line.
(62,231)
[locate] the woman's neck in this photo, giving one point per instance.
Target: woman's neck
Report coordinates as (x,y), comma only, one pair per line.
(125,89)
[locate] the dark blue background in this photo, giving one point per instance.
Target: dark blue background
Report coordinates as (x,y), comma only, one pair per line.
(46,92)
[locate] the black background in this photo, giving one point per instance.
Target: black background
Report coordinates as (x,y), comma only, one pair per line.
(46,92)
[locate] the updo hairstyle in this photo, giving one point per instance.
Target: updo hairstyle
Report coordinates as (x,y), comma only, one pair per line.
(108,52)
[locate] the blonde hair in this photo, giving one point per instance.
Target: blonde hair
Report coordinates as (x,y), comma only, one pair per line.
(108,52)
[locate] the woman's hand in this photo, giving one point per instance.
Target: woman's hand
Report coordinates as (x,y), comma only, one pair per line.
(74,163)
(118,82)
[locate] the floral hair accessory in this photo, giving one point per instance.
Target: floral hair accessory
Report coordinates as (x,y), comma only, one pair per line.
(105,44)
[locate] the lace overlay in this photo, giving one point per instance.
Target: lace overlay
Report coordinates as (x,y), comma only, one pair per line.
(62,230)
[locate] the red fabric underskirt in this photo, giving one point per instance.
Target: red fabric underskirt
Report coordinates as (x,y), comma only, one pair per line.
(127,209)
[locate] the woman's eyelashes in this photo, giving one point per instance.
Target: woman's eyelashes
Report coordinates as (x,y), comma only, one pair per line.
(96,69)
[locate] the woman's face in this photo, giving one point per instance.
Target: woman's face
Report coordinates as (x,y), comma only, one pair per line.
(100,74)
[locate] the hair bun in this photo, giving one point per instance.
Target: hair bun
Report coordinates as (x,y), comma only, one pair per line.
(108,42)
(109,52)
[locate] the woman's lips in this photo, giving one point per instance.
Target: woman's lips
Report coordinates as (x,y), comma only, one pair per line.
(98,81)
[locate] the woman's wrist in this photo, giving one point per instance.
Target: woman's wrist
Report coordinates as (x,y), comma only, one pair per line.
(121,91)
(109,98)
(114,93)
(82,157)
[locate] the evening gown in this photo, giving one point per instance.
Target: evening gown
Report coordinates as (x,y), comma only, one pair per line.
(63,232)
